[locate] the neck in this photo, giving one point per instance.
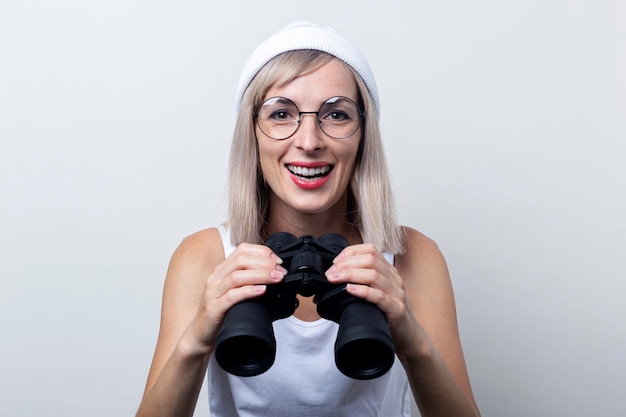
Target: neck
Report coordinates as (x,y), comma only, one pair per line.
(336,220)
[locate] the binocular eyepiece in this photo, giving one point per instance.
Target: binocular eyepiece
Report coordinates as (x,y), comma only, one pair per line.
(246,345)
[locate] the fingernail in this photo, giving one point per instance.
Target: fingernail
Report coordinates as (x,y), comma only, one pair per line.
(281,269)
(276,275)
(276,258)
(332,273)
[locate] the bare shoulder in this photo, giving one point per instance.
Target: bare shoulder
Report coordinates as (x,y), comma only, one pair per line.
(203,247)
(421,258)
(427,281)
(193,261)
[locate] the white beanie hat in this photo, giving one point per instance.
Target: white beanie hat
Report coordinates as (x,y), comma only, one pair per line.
(305,35)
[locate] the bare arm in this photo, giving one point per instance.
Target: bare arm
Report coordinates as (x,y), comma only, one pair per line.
(436,366)
(178,367)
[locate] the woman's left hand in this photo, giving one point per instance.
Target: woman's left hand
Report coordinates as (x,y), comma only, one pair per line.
(416,296)
(369,276)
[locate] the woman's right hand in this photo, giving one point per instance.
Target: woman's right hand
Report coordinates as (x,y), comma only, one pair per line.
(200,287)
(243,275)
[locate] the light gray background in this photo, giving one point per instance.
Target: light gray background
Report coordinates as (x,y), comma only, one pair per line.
(505,125)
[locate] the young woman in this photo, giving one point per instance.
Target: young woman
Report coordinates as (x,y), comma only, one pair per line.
(307,159)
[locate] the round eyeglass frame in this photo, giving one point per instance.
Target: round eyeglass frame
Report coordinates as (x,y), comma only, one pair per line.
(360,113)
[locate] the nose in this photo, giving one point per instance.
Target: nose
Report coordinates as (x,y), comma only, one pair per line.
(309,136)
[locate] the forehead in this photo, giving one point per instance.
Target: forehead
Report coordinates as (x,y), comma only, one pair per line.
(331,79)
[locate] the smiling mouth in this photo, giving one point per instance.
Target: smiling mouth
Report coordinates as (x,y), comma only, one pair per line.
(309,173)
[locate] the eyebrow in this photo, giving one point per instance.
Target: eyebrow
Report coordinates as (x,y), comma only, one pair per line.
(278,99)
(285,100)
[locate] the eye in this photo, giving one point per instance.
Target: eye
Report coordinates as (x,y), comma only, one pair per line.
(339,110)
(277,115)
(278,110)
(337,116)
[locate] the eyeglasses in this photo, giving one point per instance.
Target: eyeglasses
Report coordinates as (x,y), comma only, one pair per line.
(279,118)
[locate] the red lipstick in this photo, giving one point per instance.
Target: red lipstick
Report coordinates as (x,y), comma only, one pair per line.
(309,175)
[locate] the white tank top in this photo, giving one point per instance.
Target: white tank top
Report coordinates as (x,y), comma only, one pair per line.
(304,380)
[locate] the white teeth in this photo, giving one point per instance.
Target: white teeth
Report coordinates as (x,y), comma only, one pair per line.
(308,172)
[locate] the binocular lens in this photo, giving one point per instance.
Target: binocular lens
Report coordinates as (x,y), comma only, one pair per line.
(363,349)
(246,345)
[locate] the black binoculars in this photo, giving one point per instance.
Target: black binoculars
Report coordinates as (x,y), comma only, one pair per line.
(246,345)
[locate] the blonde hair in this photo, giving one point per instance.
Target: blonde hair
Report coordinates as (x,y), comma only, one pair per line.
(371,201)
